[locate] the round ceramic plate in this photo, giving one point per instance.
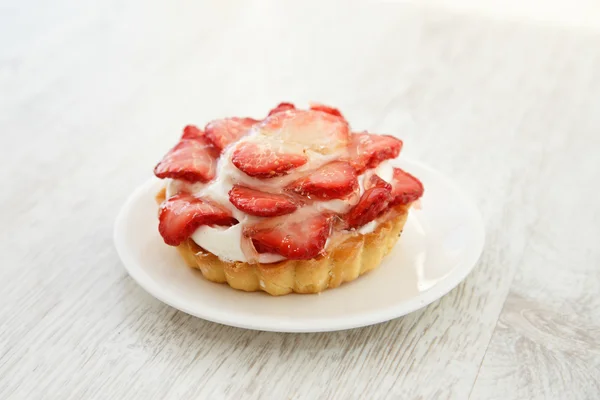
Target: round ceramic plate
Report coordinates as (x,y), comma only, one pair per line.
(440,245)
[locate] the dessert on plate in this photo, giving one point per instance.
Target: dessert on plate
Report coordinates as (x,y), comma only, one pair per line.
(295,202)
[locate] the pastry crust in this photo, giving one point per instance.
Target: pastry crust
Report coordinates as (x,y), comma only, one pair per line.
(352,255)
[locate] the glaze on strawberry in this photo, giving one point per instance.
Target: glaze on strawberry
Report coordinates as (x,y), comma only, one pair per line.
(372,204)
(222,132)
(313,130)
(193,159)
(261,204)
(327,109)
(368,150)
(262,160)
(282,107)
(282,185)
(375,181)
(335,180)
(182,214)
(296,237)
(405,188)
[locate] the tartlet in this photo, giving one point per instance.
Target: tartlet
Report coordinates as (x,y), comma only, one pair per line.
(295,202)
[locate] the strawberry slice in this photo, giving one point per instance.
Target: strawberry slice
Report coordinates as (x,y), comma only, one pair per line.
(223,132)
(375,181)
(182,214)
(367,150)
(282,107)
(405,188)
(326,109)
(193,159)
(332,181)
(299,236)
(372,203)
(259,160)
(261,204)
(318,131)
(192,132)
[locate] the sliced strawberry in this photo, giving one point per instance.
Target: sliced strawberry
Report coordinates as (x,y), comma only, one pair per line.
(282,107)
(261,204)
(319,131)
(191,160)
(367,150)
(405,188)
(372,203)
(332,181)
(326,109)
(182,214)
(192,132)
(375,181)
(223,132)
(259,160)
(299,236)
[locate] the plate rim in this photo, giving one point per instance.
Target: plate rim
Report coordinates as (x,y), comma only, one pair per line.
(396,310)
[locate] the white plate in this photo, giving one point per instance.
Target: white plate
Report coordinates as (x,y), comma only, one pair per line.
(439,247)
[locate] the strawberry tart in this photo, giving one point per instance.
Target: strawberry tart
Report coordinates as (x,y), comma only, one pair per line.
(295,202)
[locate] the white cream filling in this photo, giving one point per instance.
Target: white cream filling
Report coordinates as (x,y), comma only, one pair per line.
(174,186)
(385,171)
(225,242)
(368,227)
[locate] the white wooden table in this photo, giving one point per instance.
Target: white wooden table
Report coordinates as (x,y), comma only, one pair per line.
(93,92)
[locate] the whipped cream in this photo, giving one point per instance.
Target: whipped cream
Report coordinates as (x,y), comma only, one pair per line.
(225,242)
(368,227)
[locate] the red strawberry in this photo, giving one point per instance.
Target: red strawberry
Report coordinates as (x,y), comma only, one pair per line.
(191,160)
(259,160)
(367,150)
(192,132)
(282,107)
(332,181)
(299,236)
(405,188)
(223,132)
(182,214)
(261,204)
(319,131)
(372,203)
(326,109)
(375,181)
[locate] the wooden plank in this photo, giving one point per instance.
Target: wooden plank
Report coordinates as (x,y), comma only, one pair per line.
(97,94)
(547,343)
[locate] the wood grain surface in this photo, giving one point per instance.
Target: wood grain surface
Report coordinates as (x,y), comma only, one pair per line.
(93,92)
